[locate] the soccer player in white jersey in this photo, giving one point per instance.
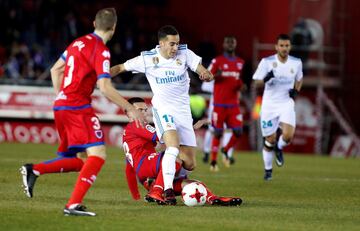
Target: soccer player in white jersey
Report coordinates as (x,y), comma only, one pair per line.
(282,75)
(166,68)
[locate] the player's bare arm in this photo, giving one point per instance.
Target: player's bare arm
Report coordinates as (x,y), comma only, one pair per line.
(298,85)
(259,83)
(57,73)
(111,93)
(201,123)
(204,74)
(117,69)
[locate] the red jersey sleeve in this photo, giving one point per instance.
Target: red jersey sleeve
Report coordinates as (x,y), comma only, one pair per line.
(132,182)
(214,66)
(102,62)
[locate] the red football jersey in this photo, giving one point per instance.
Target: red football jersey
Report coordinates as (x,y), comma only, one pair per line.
(138,141)
(87,60)
(228,83)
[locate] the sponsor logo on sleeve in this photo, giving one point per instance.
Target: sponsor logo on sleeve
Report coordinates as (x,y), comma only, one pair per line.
(106,66)
(150,128)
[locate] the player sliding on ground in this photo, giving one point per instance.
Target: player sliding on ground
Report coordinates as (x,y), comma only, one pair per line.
(143,163)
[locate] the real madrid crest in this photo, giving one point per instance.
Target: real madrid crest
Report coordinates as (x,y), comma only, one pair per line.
(178,62)
(274,64)
(155,61)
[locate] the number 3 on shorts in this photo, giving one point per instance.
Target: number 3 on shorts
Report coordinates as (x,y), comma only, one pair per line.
(266,124)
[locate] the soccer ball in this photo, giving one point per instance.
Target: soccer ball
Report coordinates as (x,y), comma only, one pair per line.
(194,194)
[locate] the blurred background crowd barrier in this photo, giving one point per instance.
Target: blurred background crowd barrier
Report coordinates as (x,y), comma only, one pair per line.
(35,32)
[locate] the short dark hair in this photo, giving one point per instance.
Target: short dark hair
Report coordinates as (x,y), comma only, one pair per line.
(229,36)
(105,19)
(136,100)
(165,31)
(282,37)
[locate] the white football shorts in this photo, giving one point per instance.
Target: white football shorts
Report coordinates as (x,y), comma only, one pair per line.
(272,116)
(182,122)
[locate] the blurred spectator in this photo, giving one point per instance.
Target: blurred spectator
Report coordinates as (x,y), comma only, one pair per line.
(301,38)
(35,33)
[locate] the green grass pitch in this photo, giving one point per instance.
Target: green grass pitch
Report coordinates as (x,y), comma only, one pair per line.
(308,193)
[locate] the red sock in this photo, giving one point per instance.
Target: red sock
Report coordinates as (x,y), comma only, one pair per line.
(86,178)
(231,143)
(59,165)
(178,187)
(159,181)
(214,148)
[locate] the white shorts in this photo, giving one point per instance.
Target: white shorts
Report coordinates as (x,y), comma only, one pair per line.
(165,120)
(272,116)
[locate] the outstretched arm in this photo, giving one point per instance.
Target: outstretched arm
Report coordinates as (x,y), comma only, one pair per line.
(132,182)
(201,123)
(298,85)
(204,74)
(113,95)
(117,69)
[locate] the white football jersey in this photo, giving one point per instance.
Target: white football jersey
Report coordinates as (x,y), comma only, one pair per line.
(277,89)
(168,78)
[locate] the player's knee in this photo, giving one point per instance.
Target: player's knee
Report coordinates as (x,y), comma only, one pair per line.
(218,133)
(237,132)
(287,138)
(189,166)
(98,151)
(268,145)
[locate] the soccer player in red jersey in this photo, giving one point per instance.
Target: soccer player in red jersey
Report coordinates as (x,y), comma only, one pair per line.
(227,70)
(144,163)
(85,63)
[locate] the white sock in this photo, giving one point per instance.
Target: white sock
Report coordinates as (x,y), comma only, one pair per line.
(207,141)
(168,166)
(281,143)
(230,152)
(268,158)
(225,140)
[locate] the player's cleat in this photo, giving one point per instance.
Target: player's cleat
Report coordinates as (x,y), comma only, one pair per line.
(279,157)
(169,196)
(268,174)
(155,195)
(29,179)
(232,160)
(213,166)
(78,210)
(206,157)
(226,201)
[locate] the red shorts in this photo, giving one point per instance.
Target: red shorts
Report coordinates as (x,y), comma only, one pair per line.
(78,130)
(231,116)
(148,166)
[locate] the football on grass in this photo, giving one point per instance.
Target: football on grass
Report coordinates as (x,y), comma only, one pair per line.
(194,194)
